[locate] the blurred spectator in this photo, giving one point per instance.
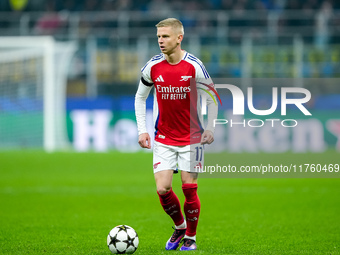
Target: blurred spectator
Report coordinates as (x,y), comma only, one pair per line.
(160,8)
(188,19)
(50,22)
(322,24)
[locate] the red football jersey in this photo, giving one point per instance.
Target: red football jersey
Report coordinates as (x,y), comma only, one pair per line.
(177,115)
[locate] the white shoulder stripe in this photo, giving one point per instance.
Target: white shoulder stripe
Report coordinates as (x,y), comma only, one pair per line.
(190,57)
(155,59)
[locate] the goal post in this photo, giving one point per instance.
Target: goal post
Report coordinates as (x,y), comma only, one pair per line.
(34,69)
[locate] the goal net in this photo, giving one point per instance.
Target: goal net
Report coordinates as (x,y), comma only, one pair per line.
(33,77)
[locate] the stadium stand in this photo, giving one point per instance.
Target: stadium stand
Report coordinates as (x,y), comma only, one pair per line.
(235,38)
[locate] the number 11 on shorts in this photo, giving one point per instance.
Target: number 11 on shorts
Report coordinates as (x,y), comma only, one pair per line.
(199,153)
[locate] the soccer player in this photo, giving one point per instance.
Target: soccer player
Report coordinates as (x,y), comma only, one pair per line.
(179,133)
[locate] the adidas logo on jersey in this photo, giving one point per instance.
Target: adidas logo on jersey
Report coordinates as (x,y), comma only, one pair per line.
(160,79)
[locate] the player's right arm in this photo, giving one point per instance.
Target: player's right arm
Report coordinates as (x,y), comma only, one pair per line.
(143,91)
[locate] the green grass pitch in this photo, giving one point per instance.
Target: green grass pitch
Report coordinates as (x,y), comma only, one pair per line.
(66,203)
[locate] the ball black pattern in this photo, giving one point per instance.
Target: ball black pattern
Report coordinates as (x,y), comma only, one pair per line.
(122,239)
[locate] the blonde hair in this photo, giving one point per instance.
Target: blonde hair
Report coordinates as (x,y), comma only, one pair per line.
(172,22)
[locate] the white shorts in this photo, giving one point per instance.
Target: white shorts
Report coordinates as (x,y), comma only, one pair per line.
(189,158)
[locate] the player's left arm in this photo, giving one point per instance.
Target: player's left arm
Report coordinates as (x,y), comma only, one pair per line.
(208,134)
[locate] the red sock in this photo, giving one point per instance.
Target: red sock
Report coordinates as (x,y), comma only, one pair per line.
(192,207)
(171,206)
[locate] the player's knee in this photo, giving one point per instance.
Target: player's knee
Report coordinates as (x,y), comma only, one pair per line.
(163,190)
(189,178)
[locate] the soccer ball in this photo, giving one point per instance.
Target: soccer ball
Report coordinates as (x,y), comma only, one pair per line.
(122,239)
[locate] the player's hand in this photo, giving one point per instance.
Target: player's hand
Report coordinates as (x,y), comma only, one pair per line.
(144,140)
(207,137)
